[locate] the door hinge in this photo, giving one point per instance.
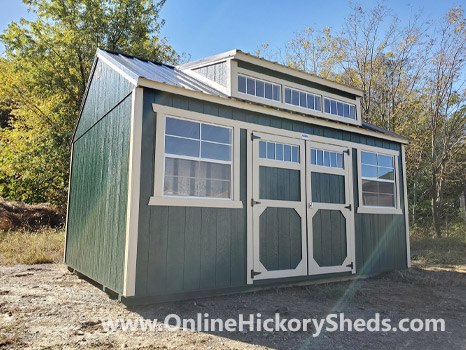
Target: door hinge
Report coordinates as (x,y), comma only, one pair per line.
(348,207)
(347,151)
(350,265)
(253,202)
(254,273)
(254,137)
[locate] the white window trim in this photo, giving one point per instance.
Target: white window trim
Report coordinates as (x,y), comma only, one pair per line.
(339,100)
(159,199)
(262,80)
(362,209)
(307,93)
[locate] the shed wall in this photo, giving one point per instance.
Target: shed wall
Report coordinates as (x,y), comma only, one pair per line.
(183,250)
(96,227)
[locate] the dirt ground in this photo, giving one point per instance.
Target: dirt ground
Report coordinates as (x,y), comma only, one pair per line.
(45,306)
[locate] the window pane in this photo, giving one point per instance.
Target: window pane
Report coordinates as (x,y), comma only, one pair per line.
(386,200)
(386,173)
(216,133)
(181,167)
(368,158)
(241,84)
(287,95)
(276,92)
(317,103)
(327,105)
(184,147)
(214,171)
(326,158)
(340,109)
(333,107)
(294,154)
(320,157)
(346,110)
(352,112)
(313,156)
(302,99)
(215,151)
(251,86)
(333,160)
(262,149)
(386,161)
(270,150)
(340,160)
(387,187)
(369,171)
(268,91)
(214,189)
(370,186)
(295,97)
(279,151)
(287,155)
(260,88)
(370,199)
(183,128)
(310,101)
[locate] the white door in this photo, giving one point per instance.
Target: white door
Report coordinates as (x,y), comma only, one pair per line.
(329,209)
(278,207)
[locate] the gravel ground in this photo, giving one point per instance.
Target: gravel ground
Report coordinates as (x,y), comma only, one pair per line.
(45,306)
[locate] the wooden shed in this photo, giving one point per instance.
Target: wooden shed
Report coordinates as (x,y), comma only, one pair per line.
(227,174)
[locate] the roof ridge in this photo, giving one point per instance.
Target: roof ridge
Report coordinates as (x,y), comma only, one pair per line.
(114,52)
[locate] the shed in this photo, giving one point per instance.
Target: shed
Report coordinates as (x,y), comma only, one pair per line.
(227,174)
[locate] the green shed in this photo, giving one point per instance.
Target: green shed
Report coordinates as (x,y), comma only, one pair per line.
(227,174)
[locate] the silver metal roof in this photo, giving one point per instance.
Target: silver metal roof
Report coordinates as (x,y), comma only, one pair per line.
(137,68)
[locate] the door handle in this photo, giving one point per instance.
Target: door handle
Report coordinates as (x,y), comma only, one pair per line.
(310,204)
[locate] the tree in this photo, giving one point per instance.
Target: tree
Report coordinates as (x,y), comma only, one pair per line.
(47,65)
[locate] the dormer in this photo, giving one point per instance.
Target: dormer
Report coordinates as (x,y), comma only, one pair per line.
(249,78)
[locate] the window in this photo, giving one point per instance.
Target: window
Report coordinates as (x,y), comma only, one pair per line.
(302,99)
(259,88)
(278,151)
(198,159)
(378,180)
(339,108)
(326,158)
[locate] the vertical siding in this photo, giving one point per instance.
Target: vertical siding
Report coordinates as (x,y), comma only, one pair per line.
(182,249)
(217,72)
(96,228)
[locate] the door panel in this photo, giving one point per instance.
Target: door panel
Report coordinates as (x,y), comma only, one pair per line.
(278,207)
(329,210)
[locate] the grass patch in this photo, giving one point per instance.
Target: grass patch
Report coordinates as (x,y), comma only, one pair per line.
(26,247)
(439,251)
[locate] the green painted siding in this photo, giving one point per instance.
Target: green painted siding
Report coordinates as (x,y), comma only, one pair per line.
(106,90)
(329,237)
(280,243)
(186,250)
(279,184)
(96,230)
(292,78)
(327,188)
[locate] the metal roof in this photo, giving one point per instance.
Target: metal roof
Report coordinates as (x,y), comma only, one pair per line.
(136,68)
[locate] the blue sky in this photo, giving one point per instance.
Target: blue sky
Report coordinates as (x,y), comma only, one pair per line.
(205,27)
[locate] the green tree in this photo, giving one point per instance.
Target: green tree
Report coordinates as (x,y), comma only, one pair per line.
(43,78)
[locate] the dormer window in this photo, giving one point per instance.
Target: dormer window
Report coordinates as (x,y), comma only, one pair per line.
(339,108)
(259,88)
(302,99)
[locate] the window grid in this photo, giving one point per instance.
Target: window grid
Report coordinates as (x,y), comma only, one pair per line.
(303,99)
(278,151)
(259,88)
(327,158)
(338,108)
(378,180)
(202,176)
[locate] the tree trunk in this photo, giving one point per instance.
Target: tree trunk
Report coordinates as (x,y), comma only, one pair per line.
(435,207)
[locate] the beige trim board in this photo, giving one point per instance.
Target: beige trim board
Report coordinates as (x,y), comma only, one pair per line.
(132,210)
(405,194)
(266,110)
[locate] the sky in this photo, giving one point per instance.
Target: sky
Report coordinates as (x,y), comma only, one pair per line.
(205,27)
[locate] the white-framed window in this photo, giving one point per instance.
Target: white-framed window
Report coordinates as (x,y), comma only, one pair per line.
(196,162)
(339,108)
(326,158)
(278,151)
(198,159)
(303,99)
(378,182)
(259,88)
